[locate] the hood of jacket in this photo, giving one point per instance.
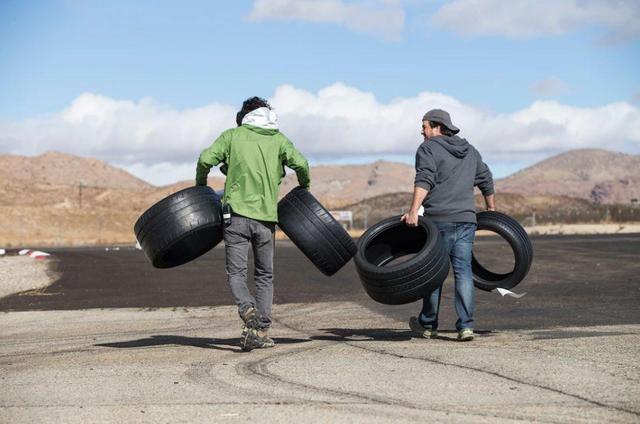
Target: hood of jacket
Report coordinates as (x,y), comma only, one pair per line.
(263,118)
(456,146)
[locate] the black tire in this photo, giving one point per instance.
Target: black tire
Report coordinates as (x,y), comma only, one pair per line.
(510,230)
(316,233)
(180,227)
(410,280)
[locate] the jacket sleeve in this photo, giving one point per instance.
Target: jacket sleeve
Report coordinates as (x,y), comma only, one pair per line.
(484,178)
(292,158)
(425,168)
(211,156)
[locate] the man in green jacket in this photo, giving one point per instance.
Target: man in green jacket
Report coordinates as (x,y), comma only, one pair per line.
(255,153)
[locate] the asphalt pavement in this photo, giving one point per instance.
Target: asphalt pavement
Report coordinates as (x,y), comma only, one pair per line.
(114,340)
(574,281)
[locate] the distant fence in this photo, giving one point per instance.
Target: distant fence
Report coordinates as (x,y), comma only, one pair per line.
(595,215)
(363,217)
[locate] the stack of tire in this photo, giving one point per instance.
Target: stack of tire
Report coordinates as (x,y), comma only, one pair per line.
(428,265)
(405,282)
(187,224)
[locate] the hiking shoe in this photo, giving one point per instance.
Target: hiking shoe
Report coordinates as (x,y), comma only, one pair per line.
(262,340)
(255,339)
(250,317)
(465,335)
(420,331)
(247,339)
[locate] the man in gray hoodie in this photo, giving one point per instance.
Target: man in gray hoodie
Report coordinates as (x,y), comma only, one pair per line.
(447,170)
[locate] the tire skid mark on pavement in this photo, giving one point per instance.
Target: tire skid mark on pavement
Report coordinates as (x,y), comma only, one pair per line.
(200,372)
(259,368)
(248,369)
(496,374)
(382,352)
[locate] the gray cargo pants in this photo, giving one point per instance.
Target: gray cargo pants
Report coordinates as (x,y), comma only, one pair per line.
(236,240)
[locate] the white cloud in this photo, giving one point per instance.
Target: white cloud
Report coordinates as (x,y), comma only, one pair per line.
(530,18)
(382,17)
(119,131)
(550,87)
(161,144)
(343,119)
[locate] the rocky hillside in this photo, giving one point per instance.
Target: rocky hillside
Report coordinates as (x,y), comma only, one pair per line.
(345,184)
(599,176)
(43,203)
(53,168)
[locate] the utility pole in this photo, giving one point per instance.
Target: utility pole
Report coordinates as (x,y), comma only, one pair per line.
(366,208)
(80,193)
(533,217)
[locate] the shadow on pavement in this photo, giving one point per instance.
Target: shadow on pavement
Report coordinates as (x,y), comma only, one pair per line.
(383,334)
(363,334)
(203,342)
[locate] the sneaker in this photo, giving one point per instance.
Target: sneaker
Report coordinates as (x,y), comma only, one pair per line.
(247,339)
(255,339)
(465,335)
(420,331)
(262,340)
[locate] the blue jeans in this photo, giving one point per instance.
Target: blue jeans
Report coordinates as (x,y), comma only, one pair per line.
(458,243)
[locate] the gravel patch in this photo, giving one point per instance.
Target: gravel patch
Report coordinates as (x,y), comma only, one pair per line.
(22,273)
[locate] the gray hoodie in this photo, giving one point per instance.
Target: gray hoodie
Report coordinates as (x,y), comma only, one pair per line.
(448,168)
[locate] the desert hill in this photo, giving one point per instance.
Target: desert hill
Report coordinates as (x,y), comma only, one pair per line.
(43,203)
(54,168)
(336,185)
(600,176)
(345,184)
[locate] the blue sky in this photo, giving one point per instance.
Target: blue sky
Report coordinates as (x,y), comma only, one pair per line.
(196,55)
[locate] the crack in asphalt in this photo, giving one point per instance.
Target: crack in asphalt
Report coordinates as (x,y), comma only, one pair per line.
(496,374)
(260,368)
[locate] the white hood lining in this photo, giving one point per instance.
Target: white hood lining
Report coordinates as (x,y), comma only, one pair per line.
(262,117)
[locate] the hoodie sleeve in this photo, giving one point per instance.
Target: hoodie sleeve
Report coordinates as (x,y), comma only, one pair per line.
(425,168)
(484,178)
(291,157)
(211,156)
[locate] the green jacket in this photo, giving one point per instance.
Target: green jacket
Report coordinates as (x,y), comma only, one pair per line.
(255,157)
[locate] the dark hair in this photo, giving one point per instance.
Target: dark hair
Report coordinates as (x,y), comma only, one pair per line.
(443,130)
(252,103)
